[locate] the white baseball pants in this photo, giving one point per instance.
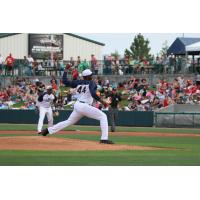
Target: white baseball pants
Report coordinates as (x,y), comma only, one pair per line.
(42,112)
(81,110)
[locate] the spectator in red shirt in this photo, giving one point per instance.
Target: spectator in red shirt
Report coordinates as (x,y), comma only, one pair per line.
(68,65)
(145,62)
(75,74)
(165,102)
(54,85)
(9,64)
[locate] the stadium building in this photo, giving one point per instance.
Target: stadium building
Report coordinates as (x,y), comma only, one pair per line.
(45,46)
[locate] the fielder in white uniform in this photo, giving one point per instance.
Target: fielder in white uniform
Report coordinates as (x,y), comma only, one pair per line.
(86,90)
(44,104)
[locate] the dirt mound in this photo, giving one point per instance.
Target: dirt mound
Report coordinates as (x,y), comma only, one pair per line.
(52,144)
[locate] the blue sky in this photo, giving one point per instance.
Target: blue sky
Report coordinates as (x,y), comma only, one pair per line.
(120,41)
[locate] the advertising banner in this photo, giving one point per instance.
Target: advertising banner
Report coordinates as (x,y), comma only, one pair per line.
(46,46)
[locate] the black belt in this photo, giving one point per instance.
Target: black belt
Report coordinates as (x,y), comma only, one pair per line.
(81,101)
(84,102)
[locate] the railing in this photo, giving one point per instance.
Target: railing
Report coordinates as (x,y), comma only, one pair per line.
(104,67)
(174,120)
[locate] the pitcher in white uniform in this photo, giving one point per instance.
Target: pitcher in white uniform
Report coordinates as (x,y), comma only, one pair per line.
(86,90)
(44,103)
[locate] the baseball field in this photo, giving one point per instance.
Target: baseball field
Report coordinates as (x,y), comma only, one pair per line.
(79,146)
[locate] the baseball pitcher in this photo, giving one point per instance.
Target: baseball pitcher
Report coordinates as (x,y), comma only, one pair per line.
(86,90)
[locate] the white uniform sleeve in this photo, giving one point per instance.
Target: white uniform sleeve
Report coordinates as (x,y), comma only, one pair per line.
(45,97)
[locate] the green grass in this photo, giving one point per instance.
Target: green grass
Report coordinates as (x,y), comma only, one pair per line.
(187,152)
(99,158)
(22,127)
(181,143)
(18,105)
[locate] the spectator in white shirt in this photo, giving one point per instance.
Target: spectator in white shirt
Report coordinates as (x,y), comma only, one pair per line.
(30,64)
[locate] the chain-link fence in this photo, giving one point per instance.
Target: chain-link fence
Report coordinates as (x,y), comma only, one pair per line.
(177,120)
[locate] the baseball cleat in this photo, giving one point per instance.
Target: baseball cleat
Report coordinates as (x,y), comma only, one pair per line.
(106,142)
(44,132)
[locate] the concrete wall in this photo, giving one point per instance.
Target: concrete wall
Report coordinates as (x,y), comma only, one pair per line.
(4,82)
(180,108)
(152,78)
(187,108)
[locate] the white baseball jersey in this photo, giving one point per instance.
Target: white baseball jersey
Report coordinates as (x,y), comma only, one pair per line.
(85,90)
(45,100)
(83,94)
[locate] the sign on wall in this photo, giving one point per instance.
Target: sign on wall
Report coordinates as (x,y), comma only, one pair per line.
(46,46)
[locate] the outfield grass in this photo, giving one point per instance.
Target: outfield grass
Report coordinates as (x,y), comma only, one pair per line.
(187,151)
(100,158)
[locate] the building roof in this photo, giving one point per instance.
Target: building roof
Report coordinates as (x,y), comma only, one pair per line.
(2,35)
(193,47)
(178,47)
(86,39)
(188,41)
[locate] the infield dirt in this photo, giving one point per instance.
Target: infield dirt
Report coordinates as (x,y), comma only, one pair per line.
(142,134)
(61,144)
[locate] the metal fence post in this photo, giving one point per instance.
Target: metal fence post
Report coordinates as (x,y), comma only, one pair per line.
(193,120)
(155,119)
(174,120)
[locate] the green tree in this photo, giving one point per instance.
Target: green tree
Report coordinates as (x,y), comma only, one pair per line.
(139,48)
(163,51)
(115,54)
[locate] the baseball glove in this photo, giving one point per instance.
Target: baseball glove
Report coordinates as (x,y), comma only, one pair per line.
(36,110)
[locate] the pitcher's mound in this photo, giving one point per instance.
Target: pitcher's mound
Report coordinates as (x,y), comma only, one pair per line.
(52,144)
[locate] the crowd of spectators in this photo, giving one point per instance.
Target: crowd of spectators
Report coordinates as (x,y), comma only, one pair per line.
(21,91)
(110,65)
(144,97)
(160,64)
(136,94)
(28,66)
(23,94)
